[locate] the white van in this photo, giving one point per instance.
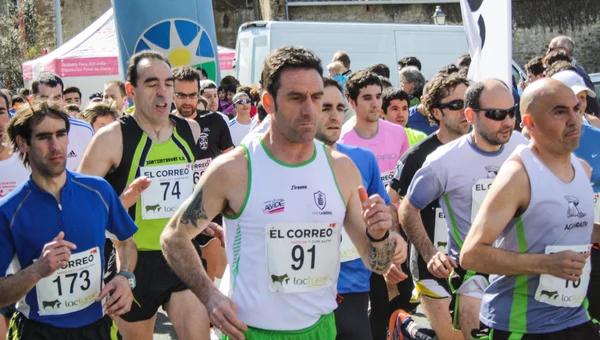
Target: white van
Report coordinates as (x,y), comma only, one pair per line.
(367,44)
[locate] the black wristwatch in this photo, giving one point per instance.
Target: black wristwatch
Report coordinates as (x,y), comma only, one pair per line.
(130,278)
(385,236)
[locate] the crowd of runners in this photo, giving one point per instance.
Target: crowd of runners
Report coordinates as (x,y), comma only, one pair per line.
(309,207)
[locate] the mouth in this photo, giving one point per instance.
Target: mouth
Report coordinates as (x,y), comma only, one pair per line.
(161,105)
(573,133)
(57,158)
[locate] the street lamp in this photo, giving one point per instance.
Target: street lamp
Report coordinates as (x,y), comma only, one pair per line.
(439,17)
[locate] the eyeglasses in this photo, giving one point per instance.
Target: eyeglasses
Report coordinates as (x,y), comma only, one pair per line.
(500,114)
(181,95)
(454,105)
(243,101)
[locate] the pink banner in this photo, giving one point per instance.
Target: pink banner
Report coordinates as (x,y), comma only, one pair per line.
(87,67)
(226,61)
(27,72)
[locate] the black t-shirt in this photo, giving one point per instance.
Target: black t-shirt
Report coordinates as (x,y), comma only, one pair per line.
(215,135)
(406,168)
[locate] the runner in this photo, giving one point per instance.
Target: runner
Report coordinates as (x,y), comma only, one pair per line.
(49,87)
(351,315)
(283,279)
(427,230)
(241,124)
(153,143)
(458,175)
(388,142)
(395,110)
(541,208)
(52,245)
(208,90)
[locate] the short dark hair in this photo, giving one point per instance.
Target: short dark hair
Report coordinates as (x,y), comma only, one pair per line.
(203,71)
(393,93)
(360,80)
(17,99)
(535,66)
(343,58)
(380,69)
(439,88)
(245,89)
(230,88)
(91,114)
(186,73)
(409,61)
(559,66)
(46,78)
(385,83)
(72,89)
(464,61)
(132,72)
(473,94)
(120,85)
(327,82)
(288,57)
(262,113)
(24,92)
(449,69)
(73,107)
(229,80)
(554,56)
(29,116)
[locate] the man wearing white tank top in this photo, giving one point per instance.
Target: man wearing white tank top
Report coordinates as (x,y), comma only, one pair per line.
(535,228)
(285,198)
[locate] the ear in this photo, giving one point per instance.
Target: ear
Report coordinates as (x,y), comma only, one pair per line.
(470,115)
(31,98)
(527,121)
(129,90)
(268,102)
(437,114)
(22,144)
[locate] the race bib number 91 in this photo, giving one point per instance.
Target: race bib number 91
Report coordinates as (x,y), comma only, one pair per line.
(73,287)
(302,257)
(170,186)
(560,292)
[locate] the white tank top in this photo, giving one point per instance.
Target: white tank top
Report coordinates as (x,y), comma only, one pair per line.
(12,174)
(283,247)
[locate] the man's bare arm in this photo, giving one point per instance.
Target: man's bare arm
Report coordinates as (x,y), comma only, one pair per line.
(14,287)
(411,222)
(126,254)
(104,151)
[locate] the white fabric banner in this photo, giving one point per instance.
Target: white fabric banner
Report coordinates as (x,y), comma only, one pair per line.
(488,24)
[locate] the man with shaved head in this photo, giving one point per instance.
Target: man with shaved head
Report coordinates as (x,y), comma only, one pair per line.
(458,175)
(534,229)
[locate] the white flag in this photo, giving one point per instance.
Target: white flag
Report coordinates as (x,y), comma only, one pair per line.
(488,24)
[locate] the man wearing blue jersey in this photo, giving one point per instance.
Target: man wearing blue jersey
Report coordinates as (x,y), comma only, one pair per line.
(52,244)
(351,316)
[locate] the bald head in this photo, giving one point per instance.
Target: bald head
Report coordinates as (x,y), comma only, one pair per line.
(488,93)
(538,95)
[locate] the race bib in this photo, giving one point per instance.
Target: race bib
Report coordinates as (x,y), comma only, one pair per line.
(478,193)
(440,235)
(170,186)
(72,288)
(348,251)
(200,167)
(386,177)
(302,257)
(596,208)
(560,292)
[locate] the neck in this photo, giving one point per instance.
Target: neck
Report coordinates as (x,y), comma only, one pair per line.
(53,185)
(558,163)
(366,129)
(243,118)
(420,110)
(192,116)
(285,151)
(157,131)
(5,151)
(445,136)
(482,144)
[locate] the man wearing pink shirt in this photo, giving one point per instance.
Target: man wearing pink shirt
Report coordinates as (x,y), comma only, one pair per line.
(388,142)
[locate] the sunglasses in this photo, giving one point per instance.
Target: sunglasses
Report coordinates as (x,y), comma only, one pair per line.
(181,95)
(499,114)
(243,101)
(454,105)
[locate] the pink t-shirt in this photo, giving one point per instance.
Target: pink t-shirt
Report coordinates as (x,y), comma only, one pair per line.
(389,144)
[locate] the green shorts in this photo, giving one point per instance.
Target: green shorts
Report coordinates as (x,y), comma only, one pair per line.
(323,329)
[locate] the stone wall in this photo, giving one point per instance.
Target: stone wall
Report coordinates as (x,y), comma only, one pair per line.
(79,14)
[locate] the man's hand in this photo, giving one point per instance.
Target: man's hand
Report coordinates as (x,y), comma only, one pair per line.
(440,265)
(395,274)
(222,313)
(133,192)
(215,230)
(120,299)
(375,213)
(566,264)
(54,255)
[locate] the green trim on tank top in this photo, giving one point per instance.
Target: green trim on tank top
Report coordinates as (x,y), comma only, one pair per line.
(518,312)
(236,216)
(314,156)
(455,232)
(334,178)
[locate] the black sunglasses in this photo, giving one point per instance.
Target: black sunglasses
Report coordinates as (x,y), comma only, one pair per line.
(454,105)
(243,101)
(500,114)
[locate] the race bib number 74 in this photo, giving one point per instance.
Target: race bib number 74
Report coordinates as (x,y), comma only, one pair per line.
(171,185)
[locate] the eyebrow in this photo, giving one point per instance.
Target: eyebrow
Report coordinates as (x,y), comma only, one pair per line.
(151,79)
(560,107)
(46,134)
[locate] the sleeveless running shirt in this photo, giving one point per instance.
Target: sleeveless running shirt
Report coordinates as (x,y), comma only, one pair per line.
(169,165)
(283,245)
(388,144)
(12,174)
(459,175)
(559,217)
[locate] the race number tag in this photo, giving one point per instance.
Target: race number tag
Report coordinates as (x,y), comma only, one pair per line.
(478,192)
(348,251)
(440,234)
(560,292)
(386,177)
(302,257)
(170,186)
(72,288)
(200,167)
(596,208)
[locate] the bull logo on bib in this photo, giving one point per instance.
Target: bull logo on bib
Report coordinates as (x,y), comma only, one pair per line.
(574,208)
(320,200)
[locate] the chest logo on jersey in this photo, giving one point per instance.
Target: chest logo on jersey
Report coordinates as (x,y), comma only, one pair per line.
(320,200)
(165,160)
(574,209)
(203,141)
(299,187)
(492,171)
(72,154)
(388,157)
(274,206)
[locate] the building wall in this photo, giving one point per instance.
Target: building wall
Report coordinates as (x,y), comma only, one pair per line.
(79,14)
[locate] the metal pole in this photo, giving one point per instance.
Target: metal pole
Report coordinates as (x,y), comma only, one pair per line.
(57,15)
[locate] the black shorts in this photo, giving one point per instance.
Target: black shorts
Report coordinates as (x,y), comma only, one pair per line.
(352,317)
(593,293)
(8,311)
(22,328)
(586,331)
(156,281)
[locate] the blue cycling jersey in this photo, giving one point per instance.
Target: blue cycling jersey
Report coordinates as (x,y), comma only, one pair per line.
(89,211)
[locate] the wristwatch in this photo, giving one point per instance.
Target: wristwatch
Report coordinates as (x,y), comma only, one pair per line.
(130,278)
